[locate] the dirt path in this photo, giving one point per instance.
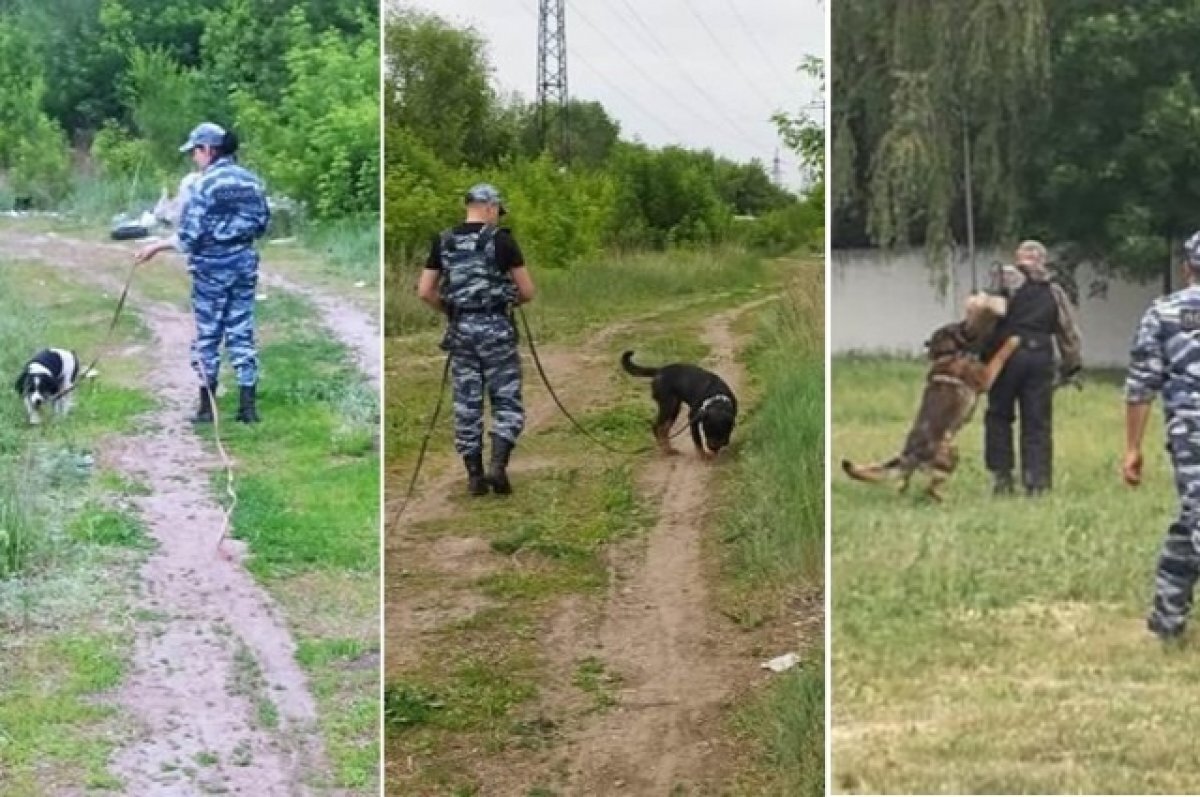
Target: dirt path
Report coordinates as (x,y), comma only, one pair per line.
(221,703)
(654,630)
(657,633)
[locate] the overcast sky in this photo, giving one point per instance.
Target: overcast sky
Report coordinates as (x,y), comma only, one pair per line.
(707,74)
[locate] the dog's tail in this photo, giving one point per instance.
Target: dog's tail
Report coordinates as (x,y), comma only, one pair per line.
(872,473)
(633,368)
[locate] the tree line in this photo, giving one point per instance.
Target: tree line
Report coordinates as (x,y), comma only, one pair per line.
(1077,122)
(110,88)
(448,127)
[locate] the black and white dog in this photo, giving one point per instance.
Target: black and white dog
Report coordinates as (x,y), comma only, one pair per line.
(48,378)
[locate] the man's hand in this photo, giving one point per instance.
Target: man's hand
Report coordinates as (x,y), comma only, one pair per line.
(1131,467)
(150,250)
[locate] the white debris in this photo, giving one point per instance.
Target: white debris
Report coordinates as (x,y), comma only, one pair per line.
(360,284)
(782,663)
(282,241)
(262,297)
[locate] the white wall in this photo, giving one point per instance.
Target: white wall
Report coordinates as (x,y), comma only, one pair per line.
(889,303)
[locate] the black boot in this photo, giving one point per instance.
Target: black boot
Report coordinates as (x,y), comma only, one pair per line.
(477,483)
(205,413)
(1002,483)
(498,475)
(247,413)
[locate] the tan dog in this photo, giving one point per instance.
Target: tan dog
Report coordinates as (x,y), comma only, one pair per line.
(952,388)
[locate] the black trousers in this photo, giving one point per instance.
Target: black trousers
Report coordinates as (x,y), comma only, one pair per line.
(1026,384)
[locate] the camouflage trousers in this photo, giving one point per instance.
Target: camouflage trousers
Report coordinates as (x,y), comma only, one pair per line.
(223,303)
(1179,561)
(484,357)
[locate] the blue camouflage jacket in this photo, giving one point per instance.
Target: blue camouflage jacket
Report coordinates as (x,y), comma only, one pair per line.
(225,213)
(1166,355)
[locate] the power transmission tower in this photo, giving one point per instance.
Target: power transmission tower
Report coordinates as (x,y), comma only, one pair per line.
(552,77)
(777,170)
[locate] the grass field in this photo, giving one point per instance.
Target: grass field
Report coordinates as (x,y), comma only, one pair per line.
(998,645)
(68,545)
(481,691)
(70,542)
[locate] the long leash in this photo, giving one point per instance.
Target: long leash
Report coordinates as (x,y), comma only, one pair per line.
(412,482)
(230,491)
(228,463)
(578,426)
(112,327)
(437,409)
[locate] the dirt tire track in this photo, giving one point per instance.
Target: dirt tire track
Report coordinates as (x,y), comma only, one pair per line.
(193,690)
(657,633)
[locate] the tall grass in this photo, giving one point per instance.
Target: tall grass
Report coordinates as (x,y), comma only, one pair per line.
(590,293)
(777,522)
(349,246)
(773,533)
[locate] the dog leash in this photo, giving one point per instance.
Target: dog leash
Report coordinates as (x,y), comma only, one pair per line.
(550,388)
(412,483)
(227,521)
(112,326)
(437,409)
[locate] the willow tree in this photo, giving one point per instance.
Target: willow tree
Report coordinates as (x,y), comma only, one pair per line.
(933,104)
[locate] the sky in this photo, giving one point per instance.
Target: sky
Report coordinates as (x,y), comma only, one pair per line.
(706,74)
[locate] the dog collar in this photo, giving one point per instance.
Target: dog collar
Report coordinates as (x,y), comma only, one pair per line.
(708,402)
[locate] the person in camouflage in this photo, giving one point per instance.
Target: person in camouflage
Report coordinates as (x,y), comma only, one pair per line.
(475,274)
(1165,358)
(225,212)
(1040,313)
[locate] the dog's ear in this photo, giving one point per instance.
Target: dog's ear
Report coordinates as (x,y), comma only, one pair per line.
(21,381)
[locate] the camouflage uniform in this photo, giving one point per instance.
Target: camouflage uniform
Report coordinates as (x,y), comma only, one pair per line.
(1166,358)
(225,213)
(480,338)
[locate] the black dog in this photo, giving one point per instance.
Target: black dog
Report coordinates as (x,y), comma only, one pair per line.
(712,407)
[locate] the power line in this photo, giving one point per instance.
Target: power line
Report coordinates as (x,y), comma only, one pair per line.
(700,90)
(736,64)
(763,52)
(666,91)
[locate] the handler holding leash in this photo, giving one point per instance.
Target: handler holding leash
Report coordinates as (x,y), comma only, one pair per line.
(1166,358)
(225,212)
(475,274)
(1040,313)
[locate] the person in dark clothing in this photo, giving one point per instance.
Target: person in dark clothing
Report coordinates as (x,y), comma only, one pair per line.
(1040,313)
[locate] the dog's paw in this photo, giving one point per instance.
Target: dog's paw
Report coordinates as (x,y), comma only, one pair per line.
(34,420)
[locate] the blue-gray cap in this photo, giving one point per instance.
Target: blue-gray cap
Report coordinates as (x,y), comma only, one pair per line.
(487,194)
(204,135)
(1191,251)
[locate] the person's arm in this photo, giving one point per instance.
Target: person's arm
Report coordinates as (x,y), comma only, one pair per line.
(427,289)
(524,282)
(427,283)
(512,260)
(1144,380)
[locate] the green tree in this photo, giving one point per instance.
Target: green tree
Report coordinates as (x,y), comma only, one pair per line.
(934,107)
(438,87)
(1118,172)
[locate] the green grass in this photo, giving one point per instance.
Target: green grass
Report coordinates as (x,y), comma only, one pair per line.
(786,724)
(607,287)
(770,547)
(990,645)
(66,549)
